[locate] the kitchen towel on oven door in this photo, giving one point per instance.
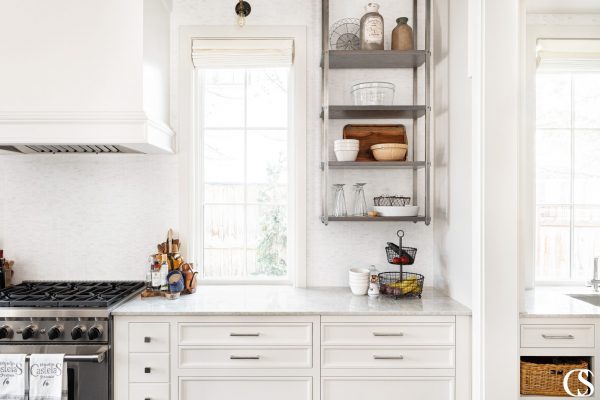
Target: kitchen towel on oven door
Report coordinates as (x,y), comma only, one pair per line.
(47,377)
(12,376)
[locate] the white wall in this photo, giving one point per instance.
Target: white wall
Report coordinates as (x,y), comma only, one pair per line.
(453,160)
(56,201)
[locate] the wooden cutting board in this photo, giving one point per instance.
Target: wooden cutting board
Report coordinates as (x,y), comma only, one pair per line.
(368,135)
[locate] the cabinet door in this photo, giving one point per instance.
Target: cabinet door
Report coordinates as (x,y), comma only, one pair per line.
(234,388)
(430,388)
(149,391)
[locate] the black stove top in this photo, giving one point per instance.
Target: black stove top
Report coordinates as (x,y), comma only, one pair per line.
(85,294)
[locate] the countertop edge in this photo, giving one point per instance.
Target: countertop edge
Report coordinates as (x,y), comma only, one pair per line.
(291,313)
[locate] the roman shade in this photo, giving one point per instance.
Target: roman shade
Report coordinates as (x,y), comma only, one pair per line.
(242,53)
(568,55)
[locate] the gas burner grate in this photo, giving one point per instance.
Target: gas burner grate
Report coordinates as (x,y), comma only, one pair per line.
(81,294)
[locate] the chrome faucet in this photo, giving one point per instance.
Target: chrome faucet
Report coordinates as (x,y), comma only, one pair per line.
(595,282)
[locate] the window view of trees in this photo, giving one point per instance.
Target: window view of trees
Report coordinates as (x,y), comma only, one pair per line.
(244,173)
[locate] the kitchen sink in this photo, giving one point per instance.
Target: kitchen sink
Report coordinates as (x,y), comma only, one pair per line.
(593,299)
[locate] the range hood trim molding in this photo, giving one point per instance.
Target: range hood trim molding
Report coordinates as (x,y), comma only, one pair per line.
(133,131)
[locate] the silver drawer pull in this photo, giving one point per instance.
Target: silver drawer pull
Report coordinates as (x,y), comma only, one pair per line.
(233,334)
(388,334)
(376,357)
(147,339)
(244,357)
(565,337)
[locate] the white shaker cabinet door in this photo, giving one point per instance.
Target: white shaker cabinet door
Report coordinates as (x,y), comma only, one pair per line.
(236,388)
(430,388)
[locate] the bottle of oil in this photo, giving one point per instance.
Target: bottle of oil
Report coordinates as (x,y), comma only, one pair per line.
(371,29)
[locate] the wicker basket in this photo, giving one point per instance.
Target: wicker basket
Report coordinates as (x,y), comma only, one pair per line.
(544,376)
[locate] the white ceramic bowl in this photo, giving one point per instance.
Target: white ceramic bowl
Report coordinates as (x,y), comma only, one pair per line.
(353,142)
(359,280)
(392,211)
(345,147)
(359,290)
(358,271)
(346,155)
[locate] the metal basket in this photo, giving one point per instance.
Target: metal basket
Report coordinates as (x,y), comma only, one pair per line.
(409,253)
(401,284)
(394,201)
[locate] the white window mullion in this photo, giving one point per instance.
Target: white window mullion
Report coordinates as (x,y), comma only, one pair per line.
(572,199)
(246,173)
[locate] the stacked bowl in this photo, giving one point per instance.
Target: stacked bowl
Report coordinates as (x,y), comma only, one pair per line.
(346,149)
(359,281)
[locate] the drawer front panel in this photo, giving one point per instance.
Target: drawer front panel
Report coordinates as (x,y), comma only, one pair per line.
(149,337)
(151,391)
(388,357)
(245,334)
(557,336)
(149,368)
(387,388)
(243,357)
(387,334)
(245,388)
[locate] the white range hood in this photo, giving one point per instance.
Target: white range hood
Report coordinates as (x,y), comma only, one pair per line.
(30,134)
(85,77)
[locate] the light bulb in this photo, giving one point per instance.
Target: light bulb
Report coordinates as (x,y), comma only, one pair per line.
(241,20)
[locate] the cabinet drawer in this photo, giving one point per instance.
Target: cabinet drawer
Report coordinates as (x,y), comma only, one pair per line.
(256,388)
(387,334)
(557,335)
(388,357)
(149,391)
(245,334)
(243,357)
(149,368)
(146,337)
(358,388)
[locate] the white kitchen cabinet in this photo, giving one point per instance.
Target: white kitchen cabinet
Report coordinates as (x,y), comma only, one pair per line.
(86,72)
(149,391)
(245,334)
(293,357)
(565,335)
(359,388)
(236,388)
(245,357)
(388,357)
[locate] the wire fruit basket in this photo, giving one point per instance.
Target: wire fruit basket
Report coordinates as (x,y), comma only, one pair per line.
(401,284)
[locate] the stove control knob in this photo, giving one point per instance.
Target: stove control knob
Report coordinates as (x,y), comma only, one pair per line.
(29,332)
(55,332)
(5,332)
(95,332)
(77,332)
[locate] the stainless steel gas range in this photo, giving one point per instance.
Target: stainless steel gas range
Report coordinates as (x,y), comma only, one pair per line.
(66,317)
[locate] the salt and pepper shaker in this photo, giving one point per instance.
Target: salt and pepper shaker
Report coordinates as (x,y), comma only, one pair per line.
(373,282)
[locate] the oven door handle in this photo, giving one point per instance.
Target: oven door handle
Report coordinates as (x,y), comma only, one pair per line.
(99,357)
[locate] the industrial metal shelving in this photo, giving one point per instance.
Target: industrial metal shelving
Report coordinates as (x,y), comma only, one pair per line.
(360,59)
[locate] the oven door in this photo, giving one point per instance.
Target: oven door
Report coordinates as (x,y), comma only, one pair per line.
(88,369)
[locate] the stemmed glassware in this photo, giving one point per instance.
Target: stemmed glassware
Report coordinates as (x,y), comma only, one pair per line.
(359,208)
(339,209)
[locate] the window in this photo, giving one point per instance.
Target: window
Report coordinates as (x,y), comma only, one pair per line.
(567,160)
(244,185)
(245,172)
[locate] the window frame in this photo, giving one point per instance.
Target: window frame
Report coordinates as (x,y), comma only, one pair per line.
(538,27)
(190,148)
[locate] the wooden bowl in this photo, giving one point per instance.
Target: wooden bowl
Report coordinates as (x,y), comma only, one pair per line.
(390,151)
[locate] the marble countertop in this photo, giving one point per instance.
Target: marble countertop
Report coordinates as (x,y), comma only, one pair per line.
(549,302)
(283,300)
